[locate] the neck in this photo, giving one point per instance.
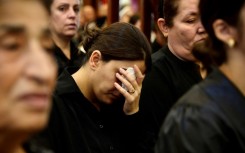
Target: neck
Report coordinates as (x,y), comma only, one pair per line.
(63,43)
(234,69)
(83,78)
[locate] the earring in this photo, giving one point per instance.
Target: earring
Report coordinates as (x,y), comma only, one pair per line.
(231,42)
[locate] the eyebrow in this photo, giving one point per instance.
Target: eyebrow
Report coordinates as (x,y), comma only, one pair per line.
(192,14)
(11,29)
(68,4)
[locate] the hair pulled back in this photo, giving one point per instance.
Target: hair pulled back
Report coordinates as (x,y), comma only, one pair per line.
(168,9)
(118,41)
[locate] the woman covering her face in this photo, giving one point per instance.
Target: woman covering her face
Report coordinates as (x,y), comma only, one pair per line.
(27,73)
(211,116)
(93,111)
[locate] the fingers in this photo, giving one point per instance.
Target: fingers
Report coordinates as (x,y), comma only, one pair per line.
(125,93)
(133,85)
(138,74)
(126,83)
(130,82)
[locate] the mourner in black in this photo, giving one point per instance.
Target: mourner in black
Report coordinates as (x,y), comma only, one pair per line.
(92,112)
(64,25)
(174,68)
(210,117)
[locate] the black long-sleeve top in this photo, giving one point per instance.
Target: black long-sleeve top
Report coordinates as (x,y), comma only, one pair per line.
(76,126)
(209,118)
(168,80)
(63,62)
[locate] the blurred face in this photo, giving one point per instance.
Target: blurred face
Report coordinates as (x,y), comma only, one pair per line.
(186,31)
(105,76)
(241,30)
(89,13)
(65,17)
(27,70)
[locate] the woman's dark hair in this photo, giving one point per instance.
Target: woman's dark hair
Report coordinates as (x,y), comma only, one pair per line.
(134,19)
(168,10)
(118,41)
(214,49)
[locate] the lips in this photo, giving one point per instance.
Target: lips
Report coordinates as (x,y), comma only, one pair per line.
(72,26)
(36,101)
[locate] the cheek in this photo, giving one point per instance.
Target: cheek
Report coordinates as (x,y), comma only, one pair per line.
(52,68)
(9,76)
(56,21)
(184,33)
(106,81)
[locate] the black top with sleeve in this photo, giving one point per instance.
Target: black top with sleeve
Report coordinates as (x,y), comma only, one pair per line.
(168,80)
(76,126)
(36,146)
(63,61)
(209,118)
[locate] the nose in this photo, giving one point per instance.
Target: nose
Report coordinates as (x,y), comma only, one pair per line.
(72,13)
(40,67)
(200,28)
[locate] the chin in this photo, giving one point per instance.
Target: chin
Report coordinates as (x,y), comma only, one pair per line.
(70,34)
(108,101)
(35,123)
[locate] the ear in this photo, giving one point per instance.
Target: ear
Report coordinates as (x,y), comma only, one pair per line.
(162,26)
(224,31)
(95,59)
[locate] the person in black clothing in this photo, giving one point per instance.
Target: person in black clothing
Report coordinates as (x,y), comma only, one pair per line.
(64,24)
(92,112)
(174,68)
(27,74)
(210,117)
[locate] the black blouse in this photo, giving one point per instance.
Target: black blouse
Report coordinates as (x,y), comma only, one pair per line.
(168,80)
(210,118)
(63,62)
(76,126)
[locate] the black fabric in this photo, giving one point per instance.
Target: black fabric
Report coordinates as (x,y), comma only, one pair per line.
(77,127)
(168,80)
(36,146)
(155,46)
(209,118)
(63,62)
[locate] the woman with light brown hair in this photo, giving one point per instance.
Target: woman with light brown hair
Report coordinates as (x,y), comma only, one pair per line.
(64,25)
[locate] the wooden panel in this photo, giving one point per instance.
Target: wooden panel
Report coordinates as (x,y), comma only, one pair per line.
(113,11)
(90,2)
(145,14)
(155,8)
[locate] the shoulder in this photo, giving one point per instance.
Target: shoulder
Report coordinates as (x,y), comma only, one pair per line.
(199,112)
(160,54)
(191,122)
(37,145)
